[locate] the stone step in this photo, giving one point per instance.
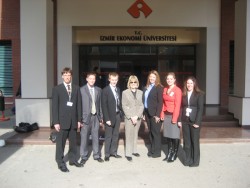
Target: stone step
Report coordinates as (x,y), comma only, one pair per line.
(41,136)
(208,135)
(232,123)
(224,117)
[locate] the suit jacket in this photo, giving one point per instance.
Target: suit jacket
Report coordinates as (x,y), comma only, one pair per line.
(196,103)
(132,106)
(154,101)
(87,103)
(172,102)
(108,102)
(63,114)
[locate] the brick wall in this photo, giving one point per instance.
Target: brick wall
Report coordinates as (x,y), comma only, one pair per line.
(10,30)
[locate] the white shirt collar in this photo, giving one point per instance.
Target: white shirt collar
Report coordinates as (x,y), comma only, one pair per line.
(90,87)
(66,85)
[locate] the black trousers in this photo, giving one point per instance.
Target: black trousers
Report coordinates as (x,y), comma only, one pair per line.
(61,139)
(154,135)
(191,139)
(112,137)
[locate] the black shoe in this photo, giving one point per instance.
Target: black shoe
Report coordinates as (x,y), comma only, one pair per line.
(136,154)
(171,157)
(106,159)
(194,165)
(63,168)
(100,160)
(129,158)
(149,154)
(116,156)
(156,156)
(83,161)
(170,160)
(188,162)
(75,163)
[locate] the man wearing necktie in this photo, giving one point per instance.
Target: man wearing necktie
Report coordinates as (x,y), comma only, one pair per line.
(66,115)
(91,118)
(111,109)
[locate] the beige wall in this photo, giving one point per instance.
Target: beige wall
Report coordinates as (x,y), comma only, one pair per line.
(174,13)
(173,16)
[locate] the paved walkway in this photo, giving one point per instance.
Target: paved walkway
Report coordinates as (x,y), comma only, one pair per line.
(222,165)
(225,162)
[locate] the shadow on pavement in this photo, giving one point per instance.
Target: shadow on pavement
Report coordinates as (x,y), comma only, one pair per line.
(8,151)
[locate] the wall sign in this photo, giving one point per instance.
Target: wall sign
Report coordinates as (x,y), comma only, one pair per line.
(137,7)
(138,36)
(124,35)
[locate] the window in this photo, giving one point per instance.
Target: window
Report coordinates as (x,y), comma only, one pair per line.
(6,75)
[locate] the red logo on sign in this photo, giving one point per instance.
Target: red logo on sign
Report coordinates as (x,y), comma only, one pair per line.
(138,6)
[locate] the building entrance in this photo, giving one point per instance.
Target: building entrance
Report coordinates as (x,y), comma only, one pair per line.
(138,60)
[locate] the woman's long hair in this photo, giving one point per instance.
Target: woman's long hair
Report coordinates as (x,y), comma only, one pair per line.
(157,81)
(196,87)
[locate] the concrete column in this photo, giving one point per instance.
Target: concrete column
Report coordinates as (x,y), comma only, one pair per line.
(68,53)
(239,103)
(213,66)
(207,69)
(37,51)
(64,38)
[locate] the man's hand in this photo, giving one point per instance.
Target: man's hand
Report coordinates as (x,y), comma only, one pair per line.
(79,125)
(108,123)
(57,127)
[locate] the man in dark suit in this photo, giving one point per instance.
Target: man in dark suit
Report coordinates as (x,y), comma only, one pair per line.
(91,118)
(111,108)
(66,114)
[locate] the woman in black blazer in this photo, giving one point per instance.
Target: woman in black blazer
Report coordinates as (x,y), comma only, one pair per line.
(152,99)
(190,120)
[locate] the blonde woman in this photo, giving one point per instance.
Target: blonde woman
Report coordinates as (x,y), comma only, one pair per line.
(133,109)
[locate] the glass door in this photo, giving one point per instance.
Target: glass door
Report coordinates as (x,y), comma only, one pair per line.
(138,60)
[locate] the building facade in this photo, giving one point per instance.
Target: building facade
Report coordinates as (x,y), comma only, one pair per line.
(198,38)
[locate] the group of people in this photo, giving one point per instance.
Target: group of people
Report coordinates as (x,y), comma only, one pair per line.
(89,107)
(177,110)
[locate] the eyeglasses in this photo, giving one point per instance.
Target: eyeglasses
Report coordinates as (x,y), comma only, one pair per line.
(133,82)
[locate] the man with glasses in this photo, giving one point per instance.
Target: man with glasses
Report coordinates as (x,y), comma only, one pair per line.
(66,115)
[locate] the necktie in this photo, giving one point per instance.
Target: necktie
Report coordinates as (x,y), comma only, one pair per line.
(117,100)
(69,89)
(93,109)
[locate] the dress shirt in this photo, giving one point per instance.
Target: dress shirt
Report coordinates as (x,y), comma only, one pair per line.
(146,94)
(114,90)
(189,95)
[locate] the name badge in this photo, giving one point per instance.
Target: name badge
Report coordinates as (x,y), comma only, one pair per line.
(188,111)
(69,103)
(171,94)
